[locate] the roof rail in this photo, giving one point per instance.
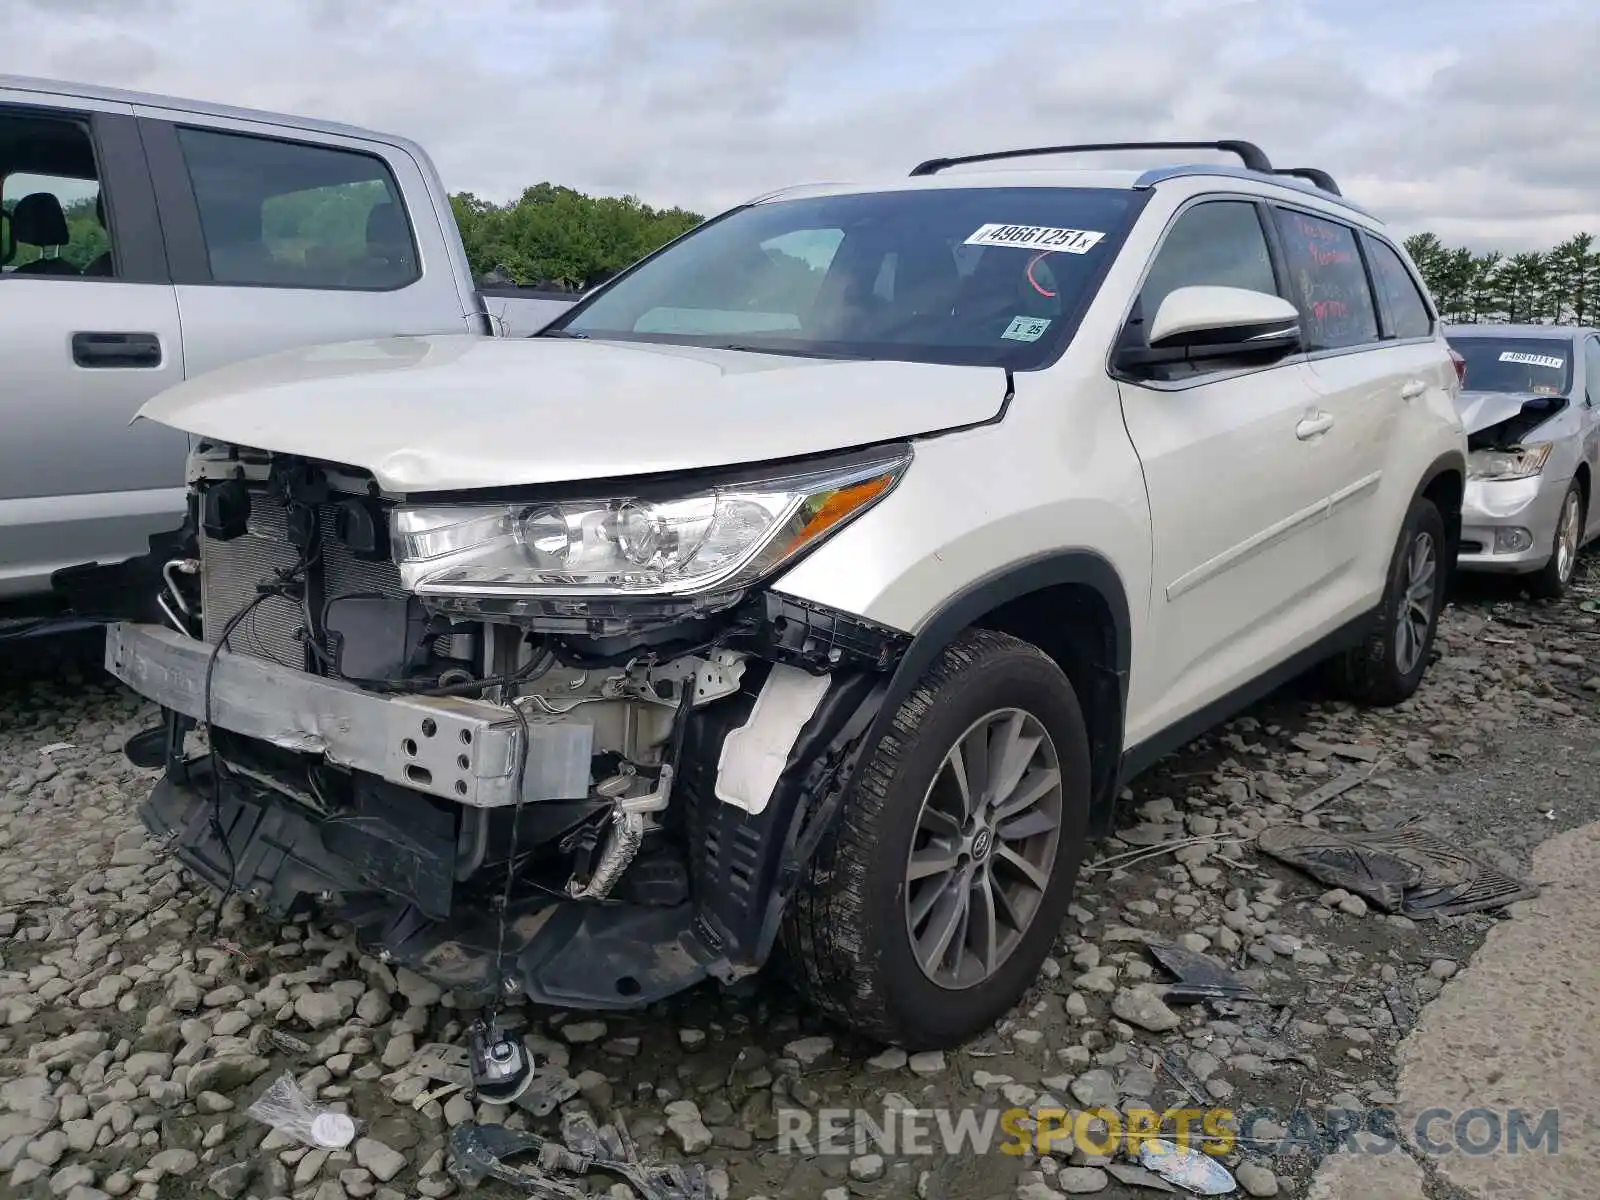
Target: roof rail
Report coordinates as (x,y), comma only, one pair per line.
(1249,153)
(1313,175)
(1223,170)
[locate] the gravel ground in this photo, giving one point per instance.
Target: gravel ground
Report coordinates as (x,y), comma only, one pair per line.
(132,1041)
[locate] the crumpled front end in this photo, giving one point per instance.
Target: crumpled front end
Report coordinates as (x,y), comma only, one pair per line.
(1518,464)
(600,801)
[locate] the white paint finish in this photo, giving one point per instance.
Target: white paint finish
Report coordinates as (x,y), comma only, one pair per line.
(1056,474)
(1201,309)
(1379,432)
(443,413)
(754,755)
(1238,509)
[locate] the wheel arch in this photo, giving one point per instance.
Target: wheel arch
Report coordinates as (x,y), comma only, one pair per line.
(1073,606)
(1445,484)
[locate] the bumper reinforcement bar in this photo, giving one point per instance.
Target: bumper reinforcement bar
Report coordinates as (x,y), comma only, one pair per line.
(458,749)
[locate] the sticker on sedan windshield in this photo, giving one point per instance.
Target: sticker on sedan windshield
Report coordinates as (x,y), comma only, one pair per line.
(1037,237)
(1026,329)
(1534,360)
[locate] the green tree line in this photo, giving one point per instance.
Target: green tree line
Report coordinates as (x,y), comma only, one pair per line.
(1560,286)
(555,236)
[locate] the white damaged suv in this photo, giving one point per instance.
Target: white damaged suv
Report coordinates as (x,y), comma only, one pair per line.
(817,583)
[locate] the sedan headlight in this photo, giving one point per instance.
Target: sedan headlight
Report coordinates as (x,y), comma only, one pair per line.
(1524,462)
(719,539)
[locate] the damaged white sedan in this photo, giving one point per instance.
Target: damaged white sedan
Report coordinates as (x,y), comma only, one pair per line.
(1530,403)
(822,578)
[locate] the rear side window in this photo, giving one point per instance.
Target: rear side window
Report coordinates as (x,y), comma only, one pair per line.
(1591,365)
(288,214)
(1330,281)
(1408,311)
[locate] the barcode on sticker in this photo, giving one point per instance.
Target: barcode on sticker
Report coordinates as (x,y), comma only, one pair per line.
(1037,237)
(1534,360)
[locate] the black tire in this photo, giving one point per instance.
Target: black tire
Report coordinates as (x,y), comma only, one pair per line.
(1373,673)
(1550,582)
(846,934)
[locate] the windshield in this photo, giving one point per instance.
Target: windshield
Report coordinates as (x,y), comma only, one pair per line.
(973,276)
(1503,364)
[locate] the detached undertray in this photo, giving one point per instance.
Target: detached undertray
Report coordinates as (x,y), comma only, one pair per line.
(1407,870)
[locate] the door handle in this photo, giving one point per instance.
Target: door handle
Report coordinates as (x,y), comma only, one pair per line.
(116,350)
(1313,426)
(1413,389)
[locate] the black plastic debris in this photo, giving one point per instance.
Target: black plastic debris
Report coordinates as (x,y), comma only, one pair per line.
(479,1152)
(1406,870)
(1199,976)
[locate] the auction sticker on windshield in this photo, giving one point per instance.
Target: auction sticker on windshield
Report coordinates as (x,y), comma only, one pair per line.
(1533,360)
(1036,237)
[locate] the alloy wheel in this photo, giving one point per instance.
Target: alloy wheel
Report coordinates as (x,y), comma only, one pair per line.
(1418,583)
(1567,538)
(984,848)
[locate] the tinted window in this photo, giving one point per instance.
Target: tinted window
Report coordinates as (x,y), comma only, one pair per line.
(1542,366)
(1591,362)
(1216,244)
(1408,312)
(1330,282)
(982,276)
(285,214)
(52,217)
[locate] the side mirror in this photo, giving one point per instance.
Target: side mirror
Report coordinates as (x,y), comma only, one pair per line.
(1209,324)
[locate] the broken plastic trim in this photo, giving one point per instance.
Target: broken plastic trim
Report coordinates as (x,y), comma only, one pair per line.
(479,1152)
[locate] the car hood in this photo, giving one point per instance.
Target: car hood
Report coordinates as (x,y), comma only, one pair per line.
(1480,410)
(460,411)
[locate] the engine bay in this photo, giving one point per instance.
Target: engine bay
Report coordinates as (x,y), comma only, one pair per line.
(287,563)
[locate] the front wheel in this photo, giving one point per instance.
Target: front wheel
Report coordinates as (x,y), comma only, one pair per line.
(1551,581)
(1388,667)
(932,903)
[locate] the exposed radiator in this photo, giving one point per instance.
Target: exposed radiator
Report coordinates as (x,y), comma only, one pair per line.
(230,570)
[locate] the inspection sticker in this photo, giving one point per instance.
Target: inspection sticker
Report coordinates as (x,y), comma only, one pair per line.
(1026,329)
(1036,237)
(1534,360)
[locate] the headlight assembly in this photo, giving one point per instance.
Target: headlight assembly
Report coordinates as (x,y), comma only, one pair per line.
(719,539)
(1524,462)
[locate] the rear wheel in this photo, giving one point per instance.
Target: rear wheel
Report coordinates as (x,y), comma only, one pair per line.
(1388,667)
(1551,581)
(932,903)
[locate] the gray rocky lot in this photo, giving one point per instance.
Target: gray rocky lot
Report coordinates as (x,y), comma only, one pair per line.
(132,1041)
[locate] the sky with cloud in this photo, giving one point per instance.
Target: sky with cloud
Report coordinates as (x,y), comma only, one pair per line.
(1477,119)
